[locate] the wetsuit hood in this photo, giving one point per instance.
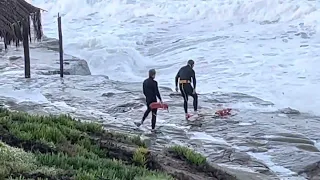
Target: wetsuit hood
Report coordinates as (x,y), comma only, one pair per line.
(191,62)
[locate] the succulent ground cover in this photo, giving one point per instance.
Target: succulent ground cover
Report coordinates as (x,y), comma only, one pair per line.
(60,147)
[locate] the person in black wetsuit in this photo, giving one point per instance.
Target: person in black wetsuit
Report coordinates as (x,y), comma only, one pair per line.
(151,92)
(185,74)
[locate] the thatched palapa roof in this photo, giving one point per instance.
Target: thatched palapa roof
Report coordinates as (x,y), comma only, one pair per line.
(15,13)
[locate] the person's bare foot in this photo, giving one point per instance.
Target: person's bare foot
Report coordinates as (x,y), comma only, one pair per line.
(188,116)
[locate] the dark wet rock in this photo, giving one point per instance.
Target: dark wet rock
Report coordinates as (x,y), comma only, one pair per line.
(232,157)
(242,175)
(231,121)
(291,140)
(269,22)
(12,58)
(3,66)
(289,111)
(303,35)
(293,135)
(307,147)
(79,67)
(50,43)
(254,143)
(174,95)
(218,97)
(124,108)
(71,67)
(303,163)
(165,89)
(241,157)
(55,72)
(109,94)
(312,171)
(258,150)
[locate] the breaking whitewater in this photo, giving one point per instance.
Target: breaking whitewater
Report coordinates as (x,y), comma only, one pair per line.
(258,58)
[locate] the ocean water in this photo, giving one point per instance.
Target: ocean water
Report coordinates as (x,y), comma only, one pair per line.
(264,48)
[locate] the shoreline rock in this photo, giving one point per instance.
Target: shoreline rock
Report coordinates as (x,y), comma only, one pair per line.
(45,59)
(72,65)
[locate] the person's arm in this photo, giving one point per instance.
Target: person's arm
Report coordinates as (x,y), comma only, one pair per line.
(194,81)
(157,91)
(144,88)
(177,78)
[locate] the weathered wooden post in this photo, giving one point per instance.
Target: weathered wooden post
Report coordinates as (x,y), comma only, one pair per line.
(25,34)
(60,45)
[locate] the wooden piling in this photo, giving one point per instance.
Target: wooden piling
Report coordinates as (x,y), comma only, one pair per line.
(60,45)
(25,35)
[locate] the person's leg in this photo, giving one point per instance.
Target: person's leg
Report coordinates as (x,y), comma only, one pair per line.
(154,119)
(145,115)
(195,102)
(185,98)
(189,91)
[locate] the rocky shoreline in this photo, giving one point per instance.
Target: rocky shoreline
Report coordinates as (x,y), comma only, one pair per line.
(43,65)
(60,147)
(93,98)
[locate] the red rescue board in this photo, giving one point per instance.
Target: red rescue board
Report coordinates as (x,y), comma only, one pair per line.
(158,105)
(224,112)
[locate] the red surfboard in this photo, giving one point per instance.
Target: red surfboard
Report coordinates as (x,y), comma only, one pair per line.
(158,105)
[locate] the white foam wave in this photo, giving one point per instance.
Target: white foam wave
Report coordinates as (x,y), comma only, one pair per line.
(207,137)
(23,95)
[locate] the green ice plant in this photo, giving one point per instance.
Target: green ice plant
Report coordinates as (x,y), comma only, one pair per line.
(15,160)
(94,168)
(79,152)
(139,156)
(192,156)
(132,139)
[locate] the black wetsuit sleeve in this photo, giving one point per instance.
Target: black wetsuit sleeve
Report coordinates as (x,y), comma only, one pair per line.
(177,77)
(194,81)
(144,88)
(157,91)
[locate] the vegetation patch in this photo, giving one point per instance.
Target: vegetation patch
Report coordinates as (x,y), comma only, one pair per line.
(73,150)
(62,148)
(139,156)
(188,154)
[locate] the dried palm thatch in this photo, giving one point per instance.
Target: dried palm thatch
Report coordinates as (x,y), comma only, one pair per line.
(14,14)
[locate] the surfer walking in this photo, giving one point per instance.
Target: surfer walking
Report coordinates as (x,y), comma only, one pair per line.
(184,76)
(151,92)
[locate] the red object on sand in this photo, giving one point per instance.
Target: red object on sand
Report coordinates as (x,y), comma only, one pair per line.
(158,105)
(224,112)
